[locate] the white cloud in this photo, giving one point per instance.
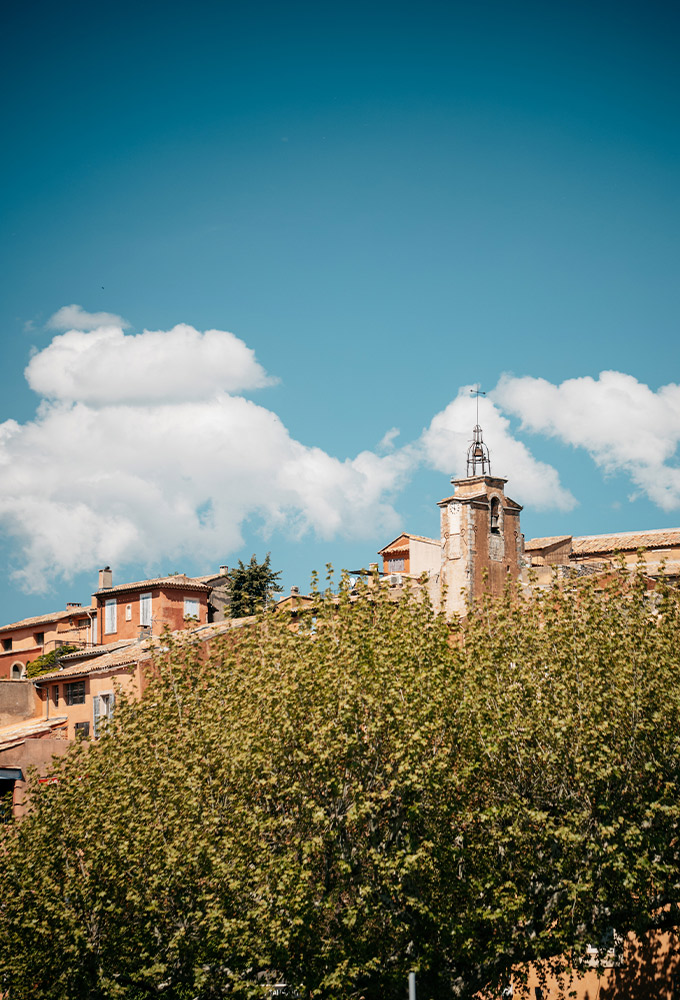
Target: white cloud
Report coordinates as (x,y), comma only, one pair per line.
(110,471)
(620,422)
(386,442)
(76,318)
(143,450)
(445,442)
(106,366)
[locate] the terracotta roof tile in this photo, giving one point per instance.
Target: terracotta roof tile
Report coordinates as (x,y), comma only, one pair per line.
(54,616)
(90,651)
(179,582)
(626,541)
(28,729)
(135,651)
(408,536)
(534,544)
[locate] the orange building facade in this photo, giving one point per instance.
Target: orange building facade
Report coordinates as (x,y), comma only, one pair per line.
(147,607)
(23,641)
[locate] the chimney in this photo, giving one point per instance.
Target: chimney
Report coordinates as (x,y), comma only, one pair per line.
(294,591)
(105,578)
(224,571)
(73,604)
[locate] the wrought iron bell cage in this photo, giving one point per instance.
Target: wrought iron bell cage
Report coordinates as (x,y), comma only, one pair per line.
(478,461)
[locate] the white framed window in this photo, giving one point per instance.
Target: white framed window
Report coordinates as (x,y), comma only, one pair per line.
(191,607)
(145,609)
(110,616)
(102,711)
(396,565)
(128,612)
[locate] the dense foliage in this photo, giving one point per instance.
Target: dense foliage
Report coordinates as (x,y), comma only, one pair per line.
(46,662)
(252,587)
(367,794)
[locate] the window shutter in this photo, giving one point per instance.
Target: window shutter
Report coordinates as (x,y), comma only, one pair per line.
(96,712)
(145,609)
(110,616)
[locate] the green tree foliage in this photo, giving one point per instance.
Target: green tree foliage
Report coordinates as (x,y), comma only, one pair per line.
(338,804)
(252,587)
(48,661)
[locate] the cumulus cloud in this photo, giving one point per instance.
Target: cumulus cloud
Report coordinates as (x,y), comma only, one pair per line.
(76,318)
(82,486)
(620,422)
(142,450)
(106,366)
(386,442)
(445,442)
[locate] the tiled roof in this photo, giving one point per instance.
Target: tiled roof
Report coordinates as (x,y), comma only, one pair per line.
(406,535)
(393,543)
(626,541)
(135,651)
(179,581)
(126,656)
(54,616)
(90,651)
(28,729)
(534,544)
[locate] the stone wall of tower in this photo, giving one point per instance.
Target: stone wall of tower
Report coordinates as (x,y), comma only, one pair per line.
(481,542)
(457,557)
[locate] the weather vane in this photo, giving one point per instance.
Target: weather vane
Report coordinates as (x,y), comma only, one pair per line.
(478,453)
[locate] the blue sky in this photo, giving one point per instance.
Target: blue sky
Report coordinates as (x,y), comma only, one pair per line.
(384,204)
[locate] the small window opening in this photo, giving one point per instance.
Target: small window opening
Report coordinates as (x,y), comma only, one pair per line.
(495,516)
(75,693)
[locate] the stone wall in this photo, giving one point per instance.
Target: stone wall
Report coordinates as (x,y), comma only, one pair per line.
(17,702)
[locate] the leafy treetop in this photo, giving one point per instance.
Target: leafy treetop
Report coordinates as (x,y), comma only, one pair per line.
(252,587)
(341,802)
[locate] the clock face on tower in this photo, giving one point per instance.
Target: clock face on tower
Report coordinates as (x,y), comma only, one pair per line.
(454,518)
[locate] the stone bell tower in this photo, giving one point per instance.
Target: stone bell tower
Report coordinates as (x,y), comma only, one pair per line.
(479,532)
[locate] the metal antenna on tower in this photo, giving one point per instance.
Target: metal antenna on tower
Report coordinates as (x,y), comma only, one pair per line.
(478,461)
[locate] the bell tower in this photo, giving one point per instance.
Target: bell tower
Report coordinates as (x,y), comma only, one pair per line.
(480,533)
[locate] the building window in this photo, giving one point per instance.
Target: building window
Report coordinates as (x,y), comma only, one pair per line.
(396,565)
(82,730)
(55,695)
(145,609)
(191,607)
(102,712)
(7,645)
(39,638)
(75,693)
(495,516)
(128,612)
(608,954)
(17,671)
(110,609)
